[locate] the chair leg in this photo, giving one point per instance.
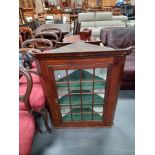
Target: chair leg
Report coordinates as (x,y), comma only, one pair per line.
(45,118)
(36,124)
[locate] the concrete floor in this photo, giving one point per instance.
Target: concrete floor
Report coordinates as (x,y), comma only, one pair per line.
(118,140)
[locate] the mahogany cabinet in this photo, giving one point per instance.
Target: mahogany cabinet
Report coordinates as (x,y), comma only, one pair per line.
(81,83)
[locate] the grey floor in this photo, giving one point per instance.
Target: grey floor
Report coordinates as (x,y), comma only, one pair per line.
(118,140)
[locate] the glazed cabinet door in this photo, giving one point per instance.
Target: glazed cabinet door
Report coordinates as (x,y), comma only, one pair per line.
(80,93)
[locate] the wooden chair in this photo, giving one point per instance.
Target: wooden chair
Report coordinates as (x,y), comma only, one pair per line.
(26,60)
(54,30)
(26,33)
(38,43)
(20,41)
(26,119)
(48,35)
(36,98)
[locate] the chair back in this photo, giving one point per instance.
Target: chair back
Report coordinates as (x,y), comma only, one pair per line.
(25,57)
(48,35)
(25,98)
(20,41)
(54,30)
(38,43)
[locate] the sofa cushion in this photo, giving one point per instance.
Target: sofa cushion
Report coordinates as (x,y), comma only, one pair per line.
(87,24)
(103,16)
(121,17)
(82,17)
(115,23)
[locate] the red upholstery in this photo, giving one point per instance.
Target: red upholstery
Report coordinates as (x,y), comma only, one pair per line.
(26,132)
(21,106)
(34,64)
(37,98)
(35,79)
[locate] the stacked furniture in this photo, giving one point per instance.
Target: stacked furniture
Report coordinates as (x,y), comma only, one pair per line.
(98,20)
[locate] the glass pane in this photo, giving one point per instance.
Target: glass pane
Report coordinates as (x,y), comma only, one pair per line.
(65,109)
(81,93)
(87,74)
(66,117)
(99,85)
(76,109)
(100,73)
(87,117)
(64,100)
(60,75)
(74,86)
(62,88)
(74,75)
(77,117)
(98,109)
(75,99)
(97,116)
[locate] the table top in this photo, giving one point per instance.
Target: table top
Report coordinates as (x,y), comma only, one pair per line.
(63,27)
(76,38)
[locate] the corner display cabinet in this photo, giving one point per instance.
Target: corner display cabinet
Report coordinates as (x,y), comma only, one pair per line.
(81,83)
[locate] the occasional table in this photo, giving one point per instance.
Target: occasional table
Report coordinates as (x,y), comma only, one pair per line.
(76,38)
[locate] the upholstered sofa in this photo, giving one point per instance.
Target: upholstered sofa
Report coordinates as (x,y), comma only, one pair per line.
(98,20)
(119,38)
